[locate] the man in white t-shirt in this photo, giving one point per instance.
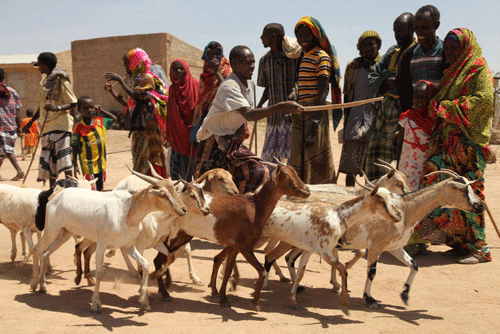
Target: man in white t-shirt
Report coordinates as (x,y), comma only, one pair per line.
(227,118)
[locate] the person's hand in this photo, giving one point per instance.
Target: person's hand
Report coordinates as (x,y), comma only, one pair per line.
(313,131)
(292,107)
(215,64)
(110,76)
(50,107)
(391,81)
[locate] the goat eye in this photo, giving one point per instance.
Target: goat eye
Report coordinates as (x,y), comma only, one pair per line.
(162,194)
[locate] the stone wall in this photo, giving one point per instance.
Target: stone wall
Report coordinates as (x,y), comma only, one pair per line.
(92,58)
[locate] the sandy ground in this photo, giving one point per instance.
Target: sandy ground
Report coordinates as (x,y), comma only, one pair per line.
(445,297)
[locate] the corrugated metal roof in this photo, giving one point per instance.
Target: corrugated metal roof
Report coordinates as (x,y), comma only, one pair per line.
(18,59)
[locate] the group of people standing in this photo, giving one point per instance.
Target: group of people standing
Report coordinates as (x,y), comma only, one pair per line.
(435,114)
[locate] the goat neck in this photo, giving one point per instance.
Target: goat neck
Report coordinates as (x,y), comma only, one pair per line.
(419,204)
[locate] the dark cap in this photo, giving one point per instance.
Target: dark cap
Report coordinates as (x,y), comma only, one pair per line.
(48,58)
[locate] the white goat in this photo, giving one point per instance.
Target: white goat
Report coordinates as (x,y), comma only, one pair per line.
(155,226)
(17,212)
(111,219)
(316,227)
(380,236)
(394,181)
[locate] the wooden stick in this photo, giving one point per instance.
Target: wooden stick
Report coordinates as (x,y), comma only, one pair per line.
(107,113)
(343,105)
(41,132)
(491,217)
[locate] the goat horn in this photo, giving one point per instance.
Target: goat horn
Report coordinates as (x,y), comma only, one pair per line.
(74,179)
(366,179)
(383,162)
(446,172)
(153,172)
(385,166)
(279,162)
(146,178)
(363,186)
(270,164)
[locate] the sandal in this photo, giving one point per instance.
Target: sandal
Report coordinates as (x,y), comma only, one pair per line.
(473,259)
(18,177)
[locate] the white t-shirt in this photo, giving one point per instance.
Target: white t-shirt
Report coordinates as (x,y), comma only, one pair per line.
(223,118)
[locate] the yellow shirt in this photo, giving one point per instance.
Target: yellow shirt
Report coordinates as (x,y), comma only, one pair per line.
(57,120)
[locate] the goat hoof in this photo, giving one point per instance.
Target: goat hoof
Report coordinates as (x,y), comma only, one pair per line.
(295,306)
(344,309)
(405,297)
(166,299)
(285,279)
(372,303)
(96,308)
(301,288)
(78,279)
(225,304)
(197,281)
(42,289)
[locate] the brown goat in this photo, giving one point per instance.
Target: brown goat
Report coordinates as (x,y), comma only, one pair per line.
(238,221)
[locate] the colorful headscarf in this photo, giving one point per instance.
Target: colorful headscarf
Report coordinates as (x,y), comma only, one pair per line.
(182,100)
(465,98)
(210,46)
(140,66)
(319,33)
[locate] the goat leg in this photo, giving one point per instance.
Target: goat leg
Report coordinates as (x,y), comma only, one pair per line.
(231,257)
(159,261)
(218,259)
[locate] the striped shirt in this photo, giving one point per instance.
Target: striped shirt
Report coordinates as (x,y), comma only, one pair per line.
(8,111)
(90,142)
(427,66)
(316,63)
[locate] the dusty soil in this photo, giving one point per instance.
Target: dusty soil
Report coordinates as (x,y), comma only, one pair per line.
(445,297)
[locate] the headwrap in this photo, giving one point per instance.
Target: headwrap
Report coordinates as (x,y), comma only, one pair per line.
(291,48)
(181,102)
(209,82)
(140,67)
(465,99)
(421,116)
(210,46)
(368,63)
(319,33)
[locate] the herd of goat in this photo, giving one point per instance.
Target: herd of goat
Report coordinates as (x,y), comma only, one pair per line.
(286,215)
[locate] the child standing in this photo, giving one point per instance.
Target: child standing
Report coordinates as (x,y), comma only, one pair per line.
(89,142)
(31,138)
(417,125)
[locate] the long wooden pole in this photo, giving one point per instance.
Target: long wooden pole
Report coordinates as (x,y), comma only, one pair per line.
(342,105)
(491,218)
(41,132)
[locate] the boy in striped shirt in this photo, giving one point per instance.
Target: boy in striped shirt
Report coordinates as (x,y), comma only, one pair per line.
(89,142)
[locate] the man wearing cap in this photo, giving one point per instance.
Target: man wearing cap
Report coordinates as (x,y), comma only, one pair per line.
(358,121)
(56,101)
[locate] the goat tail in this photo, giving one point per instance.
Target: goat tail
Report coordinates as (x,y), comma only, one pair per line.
(44,198)
(41,209)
